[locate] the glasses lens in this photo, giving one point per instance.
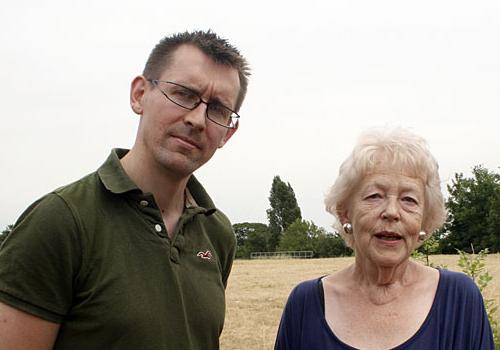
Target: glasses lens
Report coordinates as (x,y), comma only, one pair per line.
(222,115)
(181,95)
(186,98)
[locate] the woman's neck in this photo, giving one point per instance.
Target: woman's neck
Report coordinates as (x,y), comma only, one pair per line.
(383,284)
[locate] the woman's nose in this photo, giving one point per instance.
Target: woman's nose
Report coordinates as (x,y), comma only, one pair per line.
(391,210)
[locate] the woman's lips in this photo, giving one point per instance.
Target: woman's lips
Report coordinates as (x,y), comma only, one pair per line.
(388,236)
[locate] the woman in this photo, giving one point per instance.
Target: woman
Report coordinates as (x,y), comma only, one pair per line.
(387,201)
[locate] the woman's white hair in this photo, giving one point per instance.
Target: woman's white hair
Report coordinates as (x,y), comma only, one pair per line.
(394,148)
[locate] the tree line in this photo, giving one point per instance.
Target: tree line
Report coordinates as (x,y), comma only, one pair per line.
(286,230)
(473,205)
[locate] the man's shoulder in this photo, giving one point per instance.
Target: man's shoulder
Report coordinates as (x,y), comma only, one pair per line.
(58,203)
(221,219)
(214,216)
(220,231)
(78,187)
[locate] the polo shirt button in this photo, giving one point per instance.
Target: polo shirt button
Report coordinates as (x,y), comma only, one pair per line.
(179,241)
(158,228)
(174,255)
(144,203)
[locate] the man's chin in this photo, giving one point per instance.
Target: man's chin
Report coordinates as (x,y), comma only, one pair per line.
(178,164)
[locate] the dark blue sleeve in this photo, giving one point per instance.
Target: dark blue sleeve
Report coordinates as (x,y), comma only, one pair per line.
(466,321)
(291,322)
(481,323)
(303,325)
(481,335)
(486,341)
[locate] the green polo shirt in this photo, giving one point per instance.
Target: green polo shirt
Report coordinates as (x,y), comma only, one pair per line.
(94,256)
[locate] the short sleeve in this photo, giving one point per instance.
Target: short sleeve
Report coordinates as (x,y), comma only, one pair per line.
(290,326)
(40,259)
(228,262)
(228,266)
(479,323)
(463,320)
(222,237)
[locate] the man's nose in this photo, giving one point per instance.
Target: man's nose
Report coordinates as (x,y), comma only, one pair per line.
(197,116)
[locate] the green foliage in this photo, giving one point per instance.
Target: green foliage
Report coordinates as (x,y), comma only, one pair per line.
(251,237)
(298,236)
(429,247)
(283,212)
(331,245)
(473,212)
(5,232)
(305,235)
(475,267)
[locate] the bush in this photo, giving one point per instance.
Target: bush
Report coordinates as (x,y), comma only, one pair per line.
(475,267)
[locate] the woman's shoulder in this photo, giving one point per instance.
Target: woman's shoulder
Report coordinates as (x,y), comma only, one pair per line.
(306,288)
(458,288)
(305,298)
(456,280)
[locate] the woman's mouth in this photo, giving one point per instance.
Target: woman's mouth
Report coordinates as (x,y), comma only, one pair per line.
(388,236)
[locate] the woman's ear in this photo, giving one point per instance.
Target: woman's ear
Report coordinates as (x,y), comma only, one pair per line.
(342,214)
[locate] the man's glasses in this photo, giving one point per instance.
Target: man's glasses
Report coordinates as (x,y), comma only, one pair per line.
(189,99)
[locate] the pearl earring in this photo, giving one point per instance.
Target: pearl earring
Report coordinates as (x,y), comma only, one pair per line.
(422,235)
(347,228)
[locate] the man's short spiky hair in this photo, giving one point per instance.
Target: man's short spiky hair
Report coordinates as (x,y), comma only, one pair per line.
(218,49)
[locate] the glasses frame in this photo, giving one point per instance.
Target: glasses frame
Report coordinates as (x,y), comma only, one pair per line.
(233,119)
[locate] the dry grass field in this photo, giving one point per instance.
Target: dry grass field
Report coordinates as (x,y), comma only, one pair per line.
(257,291)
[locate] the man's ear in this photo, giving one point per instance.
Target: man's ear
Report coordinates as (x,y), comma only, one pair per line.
(229,134)
(137,92)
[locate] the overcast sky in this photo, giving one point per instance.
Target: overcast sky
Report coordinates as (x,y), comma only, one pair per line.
(322,72)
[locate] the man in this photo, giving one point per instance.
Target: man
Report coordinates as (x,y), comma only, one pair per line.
(135,255)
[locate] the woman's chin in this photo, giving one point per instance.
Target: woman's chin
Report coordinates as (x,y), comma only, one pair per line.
(388,259)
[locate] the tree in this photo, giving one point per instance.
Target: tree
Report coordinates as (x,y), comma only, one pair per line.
(473,212)
(331,245)
(305,235)
(251,237)
(5,232)
(283,212)
(298,236)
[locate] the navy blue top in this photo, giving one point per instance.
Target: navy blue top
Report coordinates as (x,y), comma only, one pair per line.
(457,319)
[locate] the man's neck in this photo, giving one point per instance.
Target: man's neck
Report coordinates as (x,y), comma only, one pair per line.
(167,189)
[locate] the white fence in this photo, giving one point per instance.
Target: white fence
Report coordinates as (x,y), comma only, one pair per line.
(298,254)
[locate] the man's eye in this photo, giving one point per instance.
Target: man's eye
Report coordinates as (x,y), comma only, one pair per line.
(183,93)
(219,110)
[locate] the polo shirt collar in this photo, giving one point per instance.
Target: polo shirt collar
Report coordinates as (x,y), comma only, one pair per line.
(112,174)
(200,195)
(116,180)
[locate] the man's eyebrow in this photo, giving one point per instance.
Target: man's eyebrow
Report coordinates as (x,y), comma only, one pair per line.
(213,100)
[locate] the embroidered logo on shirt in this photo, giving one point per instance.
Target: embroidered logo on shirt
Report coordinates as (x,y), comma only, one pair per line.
(205,255)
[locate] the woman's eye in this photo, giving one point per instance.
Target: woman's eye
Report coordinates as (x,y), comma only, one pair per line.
(374,196)
(410,200)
